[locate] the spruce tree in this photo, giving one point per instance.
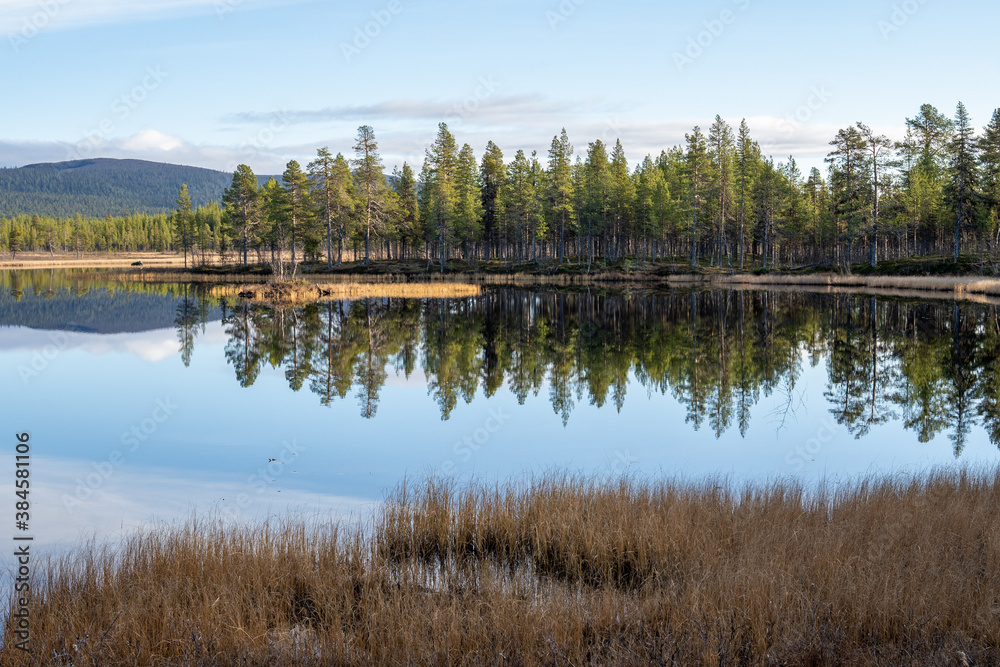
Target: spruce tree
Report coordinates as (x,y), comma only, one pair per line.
(560,187)
(964,177)
(493,177)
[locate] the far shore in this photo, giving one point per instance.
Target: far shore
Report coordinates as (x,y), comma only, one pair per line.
(170,267)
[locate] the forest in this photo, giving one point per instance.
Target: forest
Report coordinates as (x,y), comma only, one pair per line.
(101,187)
(715,201)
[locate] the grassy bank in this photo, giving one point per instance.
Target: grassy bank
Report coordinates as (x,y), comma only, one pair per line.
(303,292)
(45,260)
(557,571)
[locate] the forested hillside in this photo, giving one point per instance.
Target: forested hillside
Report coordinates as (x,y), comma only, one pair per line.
(39,301)
(102,187)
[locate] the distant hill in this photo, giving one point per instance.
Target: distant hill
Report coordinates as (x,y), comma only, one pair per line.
(96,311)
(103,186)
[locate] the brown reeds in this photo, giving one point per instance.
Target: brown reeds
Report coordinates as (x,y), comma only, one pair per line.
(44,260)
(558,570)
(291,293)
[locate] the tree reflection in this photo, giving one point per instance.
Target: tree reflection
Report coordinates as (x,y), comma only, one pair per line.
(932,367)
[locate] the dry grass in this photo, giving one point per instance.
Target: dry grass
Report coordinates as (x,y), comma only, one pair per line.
(953,286)
(43,260)
(557,571)
(292,293)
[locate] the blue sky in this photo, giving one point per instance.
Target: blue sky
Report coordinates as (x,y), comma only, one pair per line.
(217,82)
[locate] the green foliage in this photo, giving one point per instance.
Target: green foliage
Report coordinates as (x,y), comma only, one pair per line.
(716,202)
(102,187)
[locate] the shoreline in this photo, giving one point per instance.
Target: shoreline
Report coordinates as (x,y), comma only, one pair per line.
(168,268)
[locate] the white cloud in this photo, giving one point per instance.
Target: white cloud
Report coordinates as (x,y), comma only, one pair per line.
(116,503)
(152,140)
(18,16)
(405,128)
(28,17)
(150,346)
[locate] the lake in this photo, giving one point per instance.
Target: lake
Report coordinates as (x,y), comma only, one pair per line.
(148,403)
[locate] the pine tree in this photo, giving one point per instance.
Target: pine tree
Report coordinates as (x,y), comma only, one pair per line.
(184,222)
(405,184)
(521,199)
(698,178)
(438,180)
(622,202)
(879,150)
(720,138)
(595,195)
(370,179)
(14,240)
(242,201)
(468,200)
(296,186)
(847,168)
(275,205)
(748,157)
(560,187)
(334,193)
(493,176)
(989,156)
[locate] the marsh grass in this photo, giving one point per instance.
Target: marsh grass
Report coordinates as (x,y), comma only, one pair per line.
(303,292)
(558,570)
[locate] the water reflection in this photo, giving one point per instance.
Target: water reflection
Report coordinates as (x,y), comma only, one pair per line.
(935,366)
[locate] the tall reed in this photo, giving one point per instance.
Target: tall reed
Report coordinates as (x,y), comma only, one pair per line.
(554,570)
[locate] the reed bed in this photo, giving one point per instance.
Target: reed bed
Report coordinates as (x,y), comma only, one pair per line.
(557,570)
(310,292)
(955,287)
(43,260)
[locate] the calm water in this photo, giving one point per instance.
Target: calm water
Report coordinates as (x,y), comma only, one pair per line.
(147,404)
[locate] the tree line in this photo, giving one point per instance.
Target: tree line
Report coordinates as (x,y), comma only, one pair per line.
(714,200)
(135,232)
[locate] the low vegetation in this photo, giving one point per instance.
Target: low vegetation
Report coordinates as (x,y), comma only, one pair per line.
(304,292)
(554,571)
